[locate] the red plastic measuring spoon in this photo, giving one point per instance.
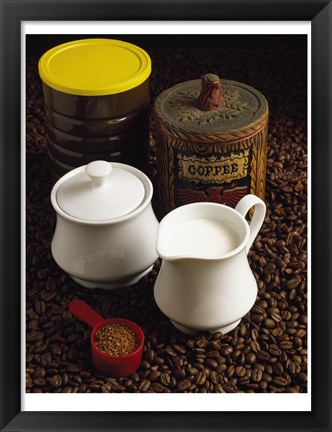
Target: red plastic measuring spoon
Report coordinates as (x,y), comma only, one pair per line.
(116,366)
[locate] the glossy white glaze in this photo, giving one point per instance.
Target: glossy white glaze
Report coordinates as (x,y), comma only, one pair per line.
(106,254)
(207,290)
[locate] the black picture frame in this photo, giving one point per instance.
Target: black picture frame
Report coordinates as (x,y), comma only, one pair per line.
(12,13)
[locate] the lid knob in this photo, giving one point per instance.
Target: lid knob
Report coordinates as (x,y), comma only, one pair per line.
(210,98)
(99,172)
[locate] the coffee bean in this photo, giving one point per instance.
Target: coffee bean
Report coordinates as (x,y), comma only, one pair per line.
(266,377)
(159,360)
(40,381)
(226,350)
(40,372)
(278,368)
(293,283)
(33,323)
(240,371)
(214,377)
(117,388)
(150,355)
(156,388)
(270,268)
(184,385)
(229,388)
(256,375)
(274,350)
(134,377)
(169,351)
(192,371)
(67,390)
(276,317)
(286,345)
(294,368)
(74,368)
(218,388)
(258,310)
(200,378)
(213,345)
(296,358)
(277,331)
(297,341)
(263,355)
(302,377)
(165,378)
(145,365)
(217,336)
(199,366)
(40,347)
(106,388)
(201,341)
(213,354)
(301,333)
(250,358)
(154,375)
(221,368)
(291,390)
(180,349)
(211,363)
(179,373)
(176,361)
(255,346)
(56,380)
(254,334)
(269,323)
(280,381)
(40,307)
(142,385)
(257,318)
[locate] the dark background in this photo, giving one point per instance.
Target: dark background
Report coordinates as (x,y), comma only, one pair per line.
(271,63)
(38,44)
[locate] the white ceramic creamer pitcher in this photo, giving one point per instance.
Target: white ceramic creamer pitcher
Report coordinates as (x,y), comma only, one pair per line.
(205,281)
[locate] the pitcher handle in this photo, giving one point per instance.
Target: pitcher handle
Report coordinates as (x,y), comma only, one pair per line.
(243,206)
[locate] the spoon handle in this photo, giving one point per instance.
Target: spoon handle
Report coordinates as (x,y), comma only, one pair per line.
(84,312)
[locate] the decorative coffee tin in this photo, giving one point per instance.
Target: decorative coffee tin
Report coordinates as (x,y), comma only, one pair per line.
(211,138)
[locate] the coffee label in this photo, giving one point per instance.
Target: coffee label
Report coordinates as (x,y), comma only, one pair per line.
(215,169)
(221,178)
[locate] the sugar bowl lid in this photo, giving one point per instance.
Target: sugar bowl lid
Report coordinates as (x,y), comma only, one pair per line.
(100,191)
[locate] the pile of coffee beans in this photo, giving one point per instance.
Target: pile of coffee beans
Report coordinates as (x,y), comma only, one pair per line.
(267,352)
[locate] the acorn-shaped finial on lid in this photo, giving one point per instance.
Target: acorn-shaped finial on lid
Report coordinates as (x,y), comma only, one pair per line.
(210,98)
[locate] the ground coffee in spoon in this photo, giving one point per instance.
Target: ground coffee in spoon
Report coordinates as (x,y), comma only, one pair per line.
(116,340)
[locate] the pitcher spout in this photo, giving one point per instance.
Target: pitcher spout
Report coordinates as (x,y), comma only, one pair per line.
(164,252)
(201,231)
(170,252)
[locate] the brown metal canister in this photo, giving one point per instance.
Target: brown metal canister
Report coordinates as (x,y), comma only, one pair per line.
(211,138)
(96,94)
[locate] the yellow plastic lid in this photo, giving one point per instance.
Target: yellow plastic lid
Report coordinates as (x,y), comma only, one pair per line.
(94,67)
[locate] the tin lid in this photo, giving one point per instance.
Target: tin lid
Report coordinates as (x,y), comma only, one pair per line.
(100,192)
(211,110)
(94,67)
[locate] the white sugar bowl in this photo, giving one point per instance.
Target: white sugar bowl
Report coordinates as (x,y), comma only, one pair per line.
(106,229)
